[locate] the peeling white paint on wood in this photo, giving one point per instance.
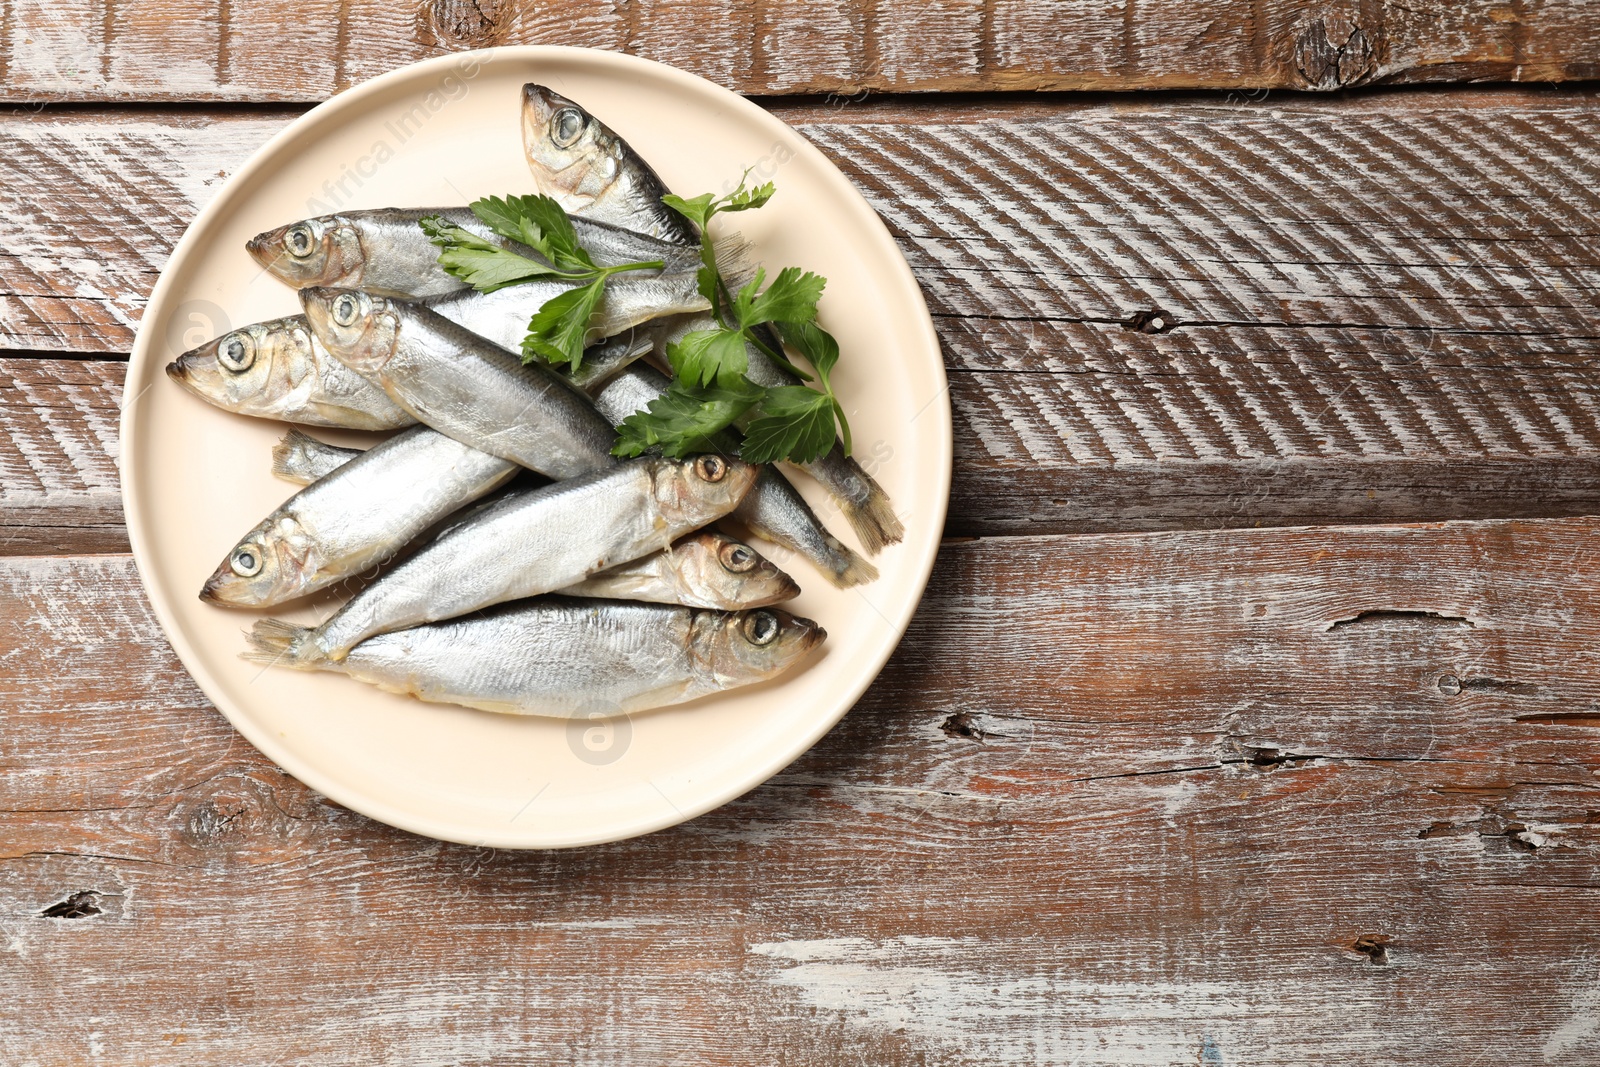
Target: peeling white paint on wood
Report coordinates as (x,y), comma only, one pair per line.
(102,50)
(1099,863)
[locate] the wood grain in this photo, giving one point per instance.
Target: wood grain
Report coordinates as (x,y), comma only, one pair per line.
(58,457)
(1153,317)
(1239,797)
(94,205)
(275,50)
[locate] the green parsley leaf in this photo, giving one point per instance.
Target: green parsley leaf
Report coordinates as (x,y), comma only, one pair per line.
(821,350)
(481,264)
(538,222)
(819,347)
(792,297)
(507,219)
(686,419)
(707,357)
(697,210)
(701,209)
(742,199)
(796,424)
(558,330)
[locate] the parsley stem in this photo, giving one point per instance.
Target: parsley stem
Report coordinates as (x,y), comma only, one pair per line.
(654,264)
(844,424)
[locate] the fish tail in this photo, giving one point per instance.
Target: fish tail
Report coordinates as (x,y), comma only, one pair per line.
(733,257)
(288,455)
(846,567)
(873,518)
(274,642)
(865,505)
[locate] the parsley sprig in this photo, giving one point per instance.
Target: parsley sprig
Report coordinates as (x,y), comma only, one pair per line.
(558,330)
(712,391)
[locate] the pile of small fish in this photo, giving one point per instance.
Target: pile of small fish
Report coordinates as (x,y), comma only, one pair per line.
(521,567)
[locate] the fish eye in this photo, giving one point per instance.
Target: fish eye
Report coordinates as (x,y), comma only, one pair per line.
(736,557)
(300,240)
(246,561)
(761,627)
(346,309)
(566,126)
(711,468)
(236,352)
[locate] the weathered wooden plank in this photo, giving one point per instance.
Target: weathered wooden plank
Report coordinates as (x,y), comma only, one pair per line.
(1203,797)
(273,50)
(1153,317)
(58,456)
(93,207)
(58,489)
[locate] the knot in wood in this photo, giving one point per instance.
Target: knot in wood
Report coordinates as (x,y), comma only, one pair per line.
(1373,946)
(1336,58)
(1154,320)
(81,905)
(459,23)
(225,812)
(210,822)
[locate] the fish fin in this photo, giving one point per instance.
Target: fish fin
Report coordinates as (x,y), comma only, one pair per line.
(840,564)
(873,519)
(274,642)
(288,455)
(853,570)
(734,261)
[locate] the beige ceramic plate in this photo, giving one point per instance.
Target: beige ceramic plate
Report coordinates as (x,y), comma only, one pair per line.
(445,132)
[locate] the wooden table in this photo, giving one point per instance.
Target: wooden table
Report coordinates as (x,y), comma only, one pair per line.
(1252,715)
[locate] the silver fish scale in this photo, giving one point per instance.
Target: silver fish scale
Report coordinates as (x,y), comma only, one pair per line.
(524,544)
(552,657)
(369,508)
(630,299)
(399,259)
(481,394)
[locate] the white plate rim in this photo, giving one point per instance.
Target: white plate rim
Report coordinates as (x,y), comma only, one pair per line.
(924,545)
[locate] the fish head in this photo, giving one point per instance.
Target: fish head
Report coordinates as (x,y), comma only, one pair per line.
(250,368)
(714,570)
(320,251)
(692,492)
(573,155)
(739,647)
(264,568)
(359,329)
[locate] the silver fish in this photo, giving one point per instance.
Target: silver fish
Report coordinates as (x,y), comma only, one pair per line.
(385,250)
(537,541)
(630,300)
(774,509)
(704,570)
(603,361)
(358,516)
(566,658)
(865,505)
(461,384)
(586,168)
(278,370)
